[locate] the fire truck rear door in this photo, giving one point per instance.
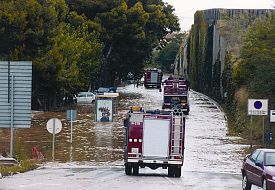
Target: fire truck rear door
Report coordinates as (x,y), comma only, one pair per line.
(156,138)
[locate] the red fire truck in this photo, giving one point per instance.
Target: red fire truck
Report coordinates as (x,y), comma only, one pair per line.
(152,78)
(175,95)
(154,139)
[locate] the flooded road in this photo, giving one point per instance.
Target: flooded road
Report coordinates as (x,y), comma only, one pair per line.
(95,159)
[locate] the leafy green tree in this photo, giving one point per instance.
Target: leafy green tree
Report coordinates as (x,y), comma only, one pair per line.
(26,25)
(60,36)
(71,64)
(167,55)
(257,67)
(129,30)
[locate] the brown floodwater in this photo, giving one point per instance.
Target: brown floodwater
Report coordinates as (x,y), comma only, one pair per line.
(207,145)
(92,141)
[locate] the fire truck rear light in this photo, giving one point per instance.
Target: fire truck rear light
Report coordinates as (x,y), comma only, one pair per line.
(134,155)
(177,157)
(135,140)
(140,140)
(130,140)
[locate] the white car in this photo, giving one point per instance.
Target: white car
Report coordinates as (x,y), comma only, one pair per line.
(85,98)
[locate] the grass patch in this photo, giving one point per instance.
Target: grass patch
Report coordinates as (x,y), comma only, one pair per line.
(24,166)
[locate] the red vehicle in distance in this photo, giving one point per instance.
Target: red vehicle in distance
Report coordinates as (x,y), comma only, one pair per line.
(153,78)
(259,169)
(175,94)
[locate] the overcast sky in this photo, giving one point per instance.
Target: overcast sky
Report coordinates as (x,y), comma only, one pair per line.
(185,9)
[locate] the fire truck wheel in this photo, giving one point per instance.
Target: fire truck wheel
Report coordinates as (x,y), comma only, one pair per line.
(178,172)
(135,170)
(171,171)
(128,170)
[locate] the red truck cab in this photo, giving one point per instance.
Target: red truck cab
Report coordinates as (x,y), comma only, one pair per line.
(153,78)
(154,139)
(175,95)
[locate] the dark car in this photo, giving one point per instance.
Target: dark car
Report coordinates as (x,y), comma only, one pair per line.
(106,89)
(259,169)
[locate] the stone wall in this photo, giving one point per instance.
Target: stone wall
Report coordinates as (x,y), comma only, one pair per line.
(212,38)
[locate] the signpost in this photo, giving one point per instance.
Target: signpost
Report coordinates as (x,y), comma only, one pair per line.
(15,96)
(71,116)
(257,107)
(54,126)
(272,116)
(272,120)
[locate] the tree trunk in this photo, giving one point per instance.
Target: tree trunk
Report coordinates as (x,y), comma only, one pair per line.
(104,68)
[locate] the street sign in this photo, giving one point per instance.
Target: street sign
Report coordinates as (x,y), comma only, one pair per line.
(257,107)
(71,115)
(272,115)
(54,126)
(15,94)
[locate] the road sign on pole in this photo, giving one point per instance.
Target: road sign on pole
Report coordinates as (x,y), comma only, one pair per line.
(15,96)
(272,120)
(272,116)
(257,107)
(54,126)
(18,76)
(71,116)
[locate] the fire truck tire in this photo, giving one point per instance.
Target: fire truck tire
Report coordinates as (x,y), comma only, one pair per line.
(135,170)
(171,171)
(178,172)
(128,169)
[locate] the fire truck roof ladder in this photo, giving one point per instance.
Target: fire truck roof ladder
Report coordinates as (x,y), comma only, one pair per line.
(176,135)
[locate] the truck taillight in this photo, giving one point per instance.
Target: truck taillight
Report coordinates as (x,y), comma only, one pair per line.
(176,157)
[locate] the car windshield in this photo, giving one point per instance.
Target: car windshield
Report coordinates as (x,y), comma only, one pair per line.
(270,159)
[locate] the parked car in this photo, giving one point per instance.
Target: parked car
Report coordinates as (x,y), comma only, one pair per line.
(106,89)
(67,100)
(259,169)
(85,97)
